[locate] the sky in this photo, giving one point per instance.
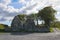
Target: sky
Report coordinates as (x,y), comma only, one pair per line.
(10,8)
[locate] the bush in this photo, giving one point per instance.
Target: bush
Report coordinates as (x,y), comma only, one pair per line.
(56,24)
(1,30)
(51,29)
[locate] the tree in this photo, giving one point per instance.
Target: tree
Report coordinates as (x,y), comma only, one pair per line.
(34,17)
(22,18)
(48,15)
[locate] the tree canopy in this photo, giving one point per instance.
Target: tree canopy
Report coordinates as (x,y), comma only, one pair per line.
(47,14)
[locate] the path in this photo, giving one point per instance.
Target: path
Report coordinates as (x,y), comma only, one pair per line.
(56,30)
(31,36)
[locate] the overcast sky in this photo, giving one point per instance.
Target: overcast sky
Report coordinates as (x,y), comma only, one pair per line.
(11,8)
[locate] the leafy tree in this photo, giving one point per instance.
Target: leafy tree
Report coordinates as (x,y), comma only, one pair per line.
(48,15)
(22,18)
(34,17)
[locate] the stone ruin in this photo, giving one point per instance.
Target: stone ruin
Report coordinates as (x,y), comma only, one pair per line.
(28,25)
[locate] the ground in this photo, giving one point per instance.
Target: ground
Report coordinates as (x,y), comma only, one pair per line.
(30,36)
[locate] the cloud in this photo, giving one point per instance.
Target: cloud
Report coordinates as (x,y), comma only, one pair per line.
(12,9)
(57,8)
(58,16)
(9,8)
(2,19)
(9,18)
(6,2)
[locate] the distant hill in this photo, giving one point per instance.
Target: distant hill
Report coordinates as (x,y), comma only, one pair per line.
(4,27)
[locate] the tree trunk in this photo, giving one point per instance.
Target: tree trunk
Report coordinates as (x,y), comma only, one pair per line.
(37,22)
(47,25)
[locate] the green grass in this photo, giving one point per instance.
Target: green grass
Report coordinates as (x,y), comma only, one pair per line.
(51,29)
